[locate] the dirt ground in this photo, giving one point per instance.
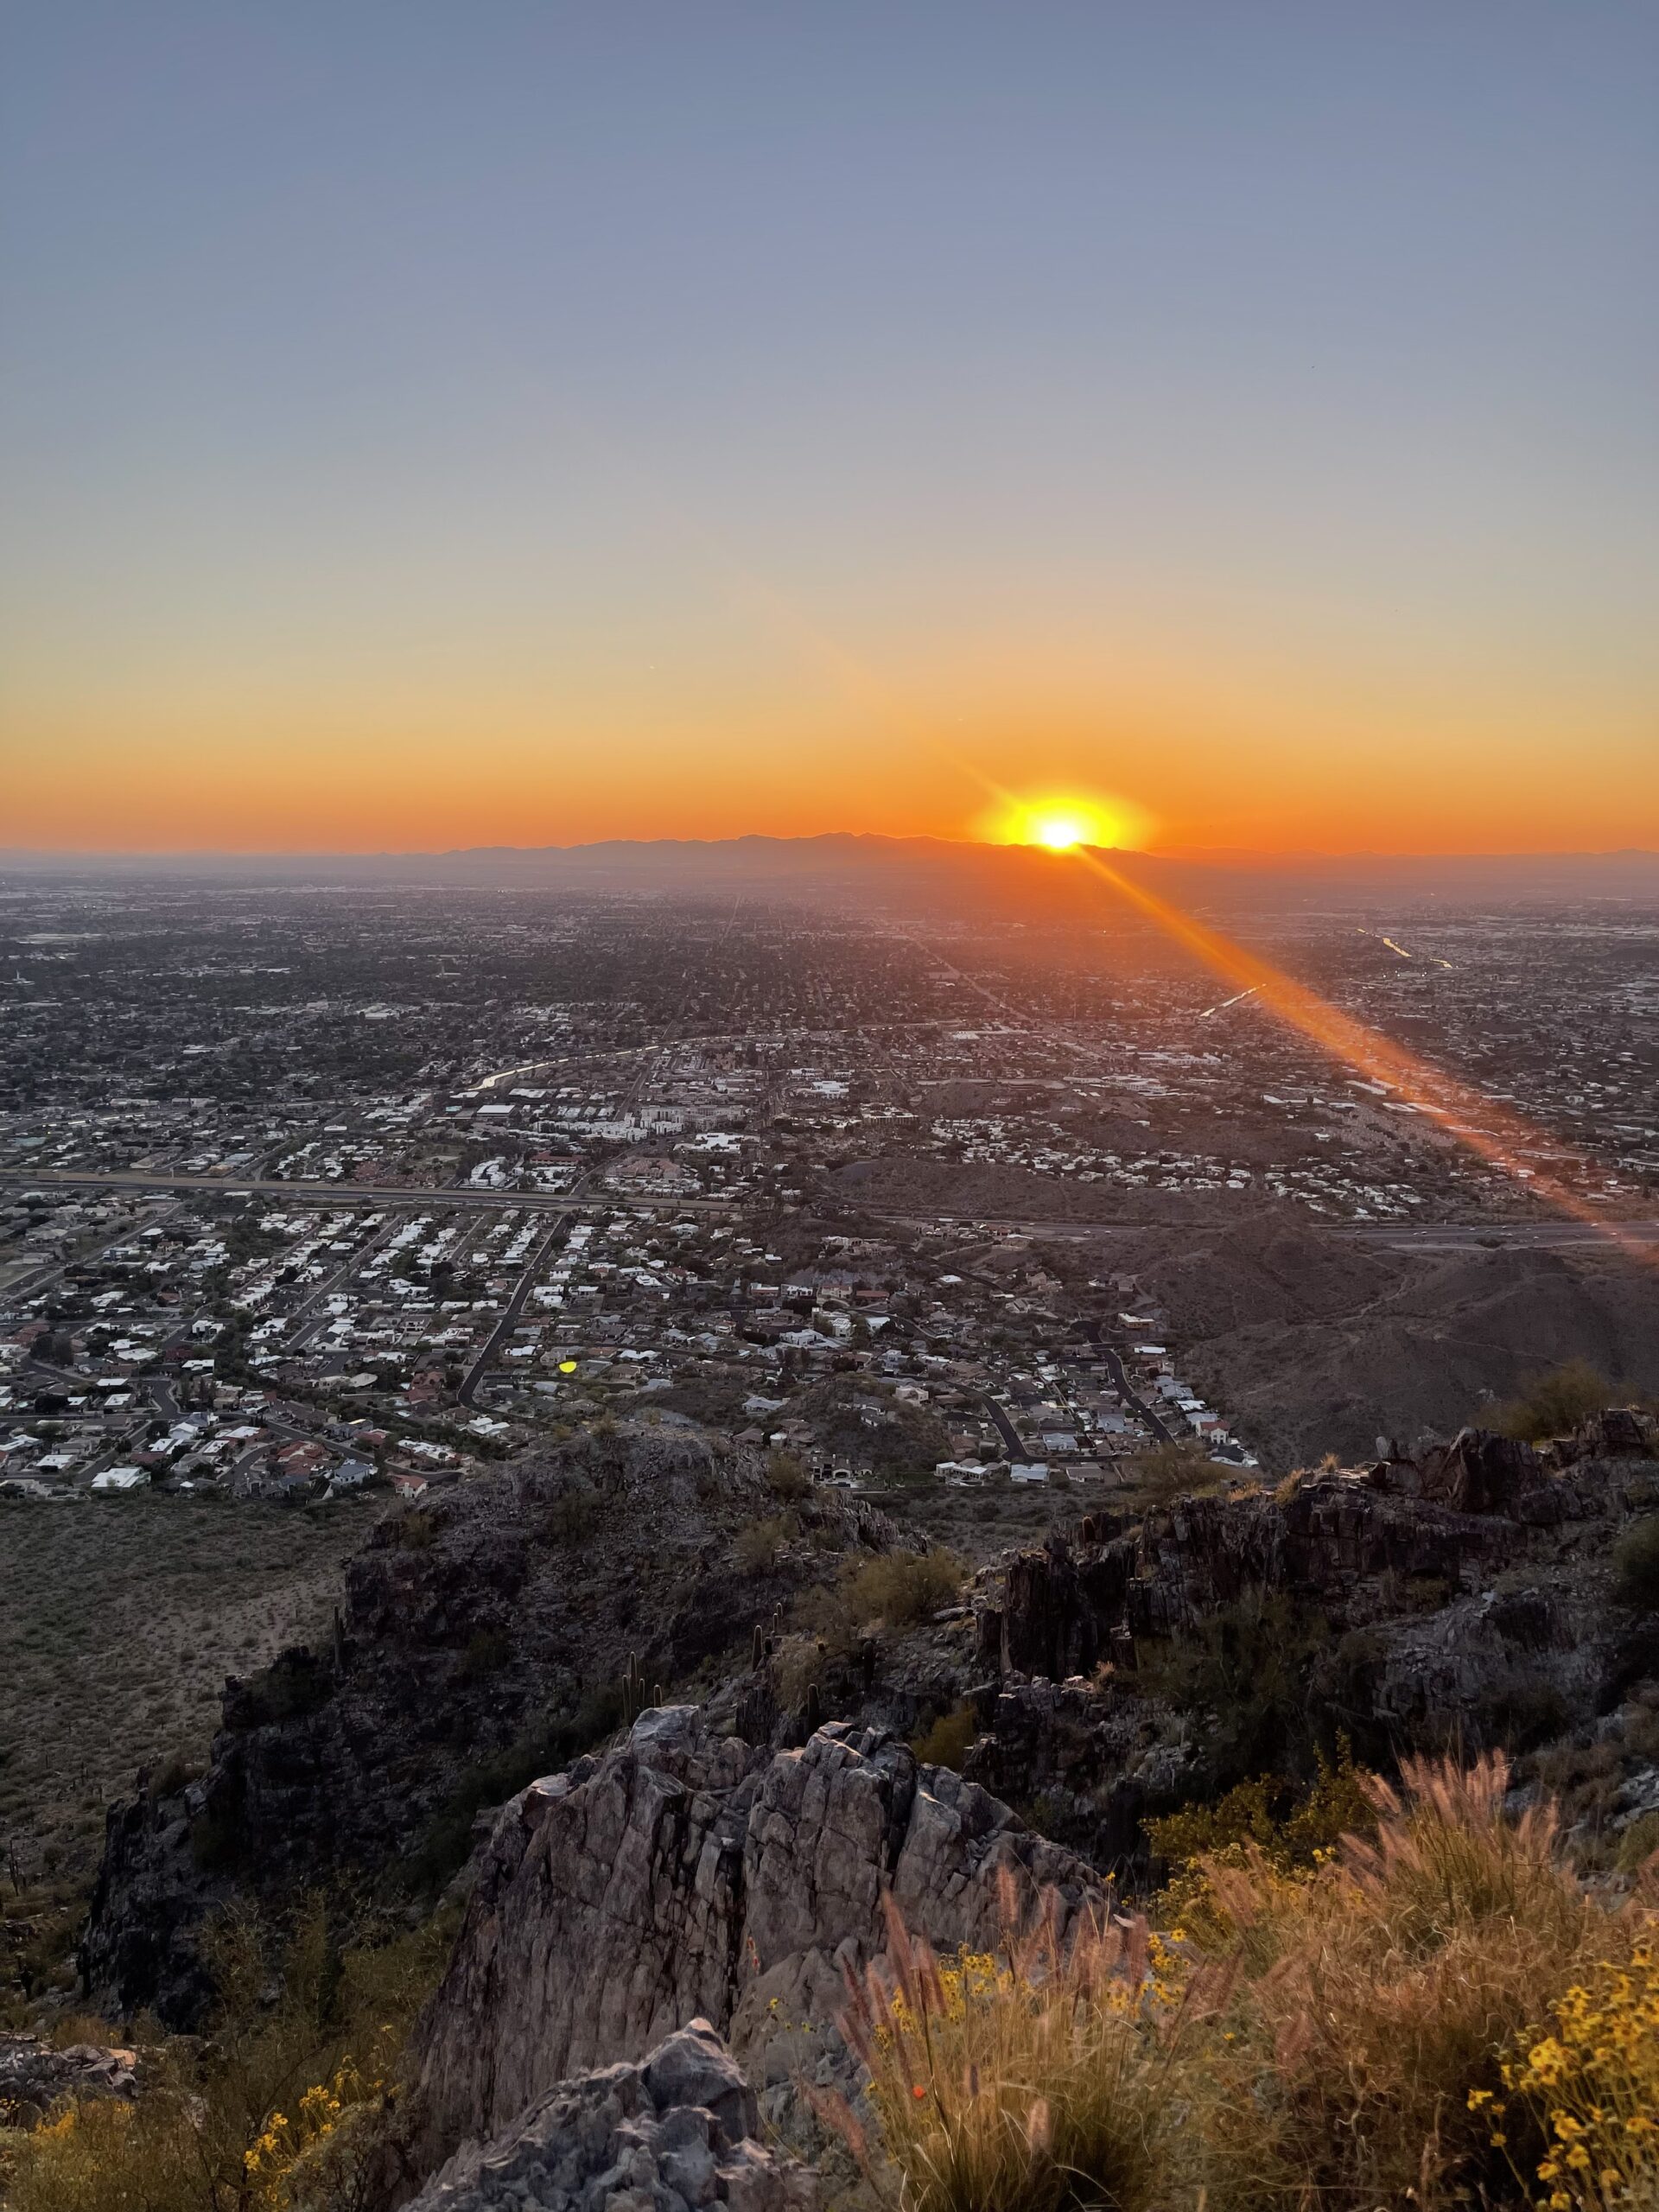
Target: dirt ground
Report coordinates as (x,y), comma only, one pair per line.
(119,1620)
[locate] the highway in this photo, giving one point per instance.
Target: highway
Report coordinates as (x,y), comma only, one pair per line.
(1551,1235)
(420,1199)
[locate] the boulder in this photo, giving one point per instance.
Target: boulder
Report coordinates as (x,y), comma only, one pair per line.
(677,2130)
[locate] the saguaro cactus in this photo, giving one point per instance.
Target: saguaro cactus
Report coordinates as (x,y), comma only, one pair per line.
(634,1700)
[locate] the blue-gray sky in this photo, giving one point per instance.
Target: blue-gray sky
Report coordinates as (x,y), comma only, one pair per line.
(507,422)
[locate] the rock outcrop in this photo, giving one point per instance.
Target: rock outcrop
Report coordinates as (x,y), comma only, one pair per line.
(685,1875)
(677,2130)
(1464,1596)
(34,2076)
(483,1633)
(1379,1549)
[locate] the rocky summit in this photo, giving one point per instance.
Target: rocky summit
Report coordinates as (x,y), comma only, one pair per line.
(687,1872)
(483,1633)
(715,1865)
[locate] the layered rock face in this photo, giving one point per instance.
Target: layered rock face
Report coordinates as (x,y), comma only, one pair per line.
(477,1623)
(677,2131)
(1464,1599)
(1356,1543)
(686,1874)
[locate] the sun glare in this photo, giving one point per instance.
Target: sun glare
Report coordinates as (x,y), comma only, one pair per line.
(1062,824)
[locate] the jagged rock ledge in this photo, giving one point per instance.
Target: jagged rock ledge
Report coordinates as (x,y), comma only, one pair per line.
(677,2131)
(689,1875)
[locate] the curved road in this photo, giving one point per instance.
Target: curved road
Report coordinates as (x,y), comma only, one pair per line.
(1155,1422)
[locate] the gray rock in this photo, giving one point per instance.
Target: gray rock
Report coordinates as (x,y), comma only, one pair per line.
(34,2076)
(687,1874)
(675,2132)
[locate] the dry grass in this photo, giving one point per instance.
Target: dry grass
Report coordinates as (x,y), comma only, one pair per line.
(1382,1992)
(890,1590)
(1326,2038)
(1027,2081)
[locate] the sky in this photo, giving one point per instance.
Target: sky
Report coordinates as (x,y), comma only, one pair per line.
(515,423)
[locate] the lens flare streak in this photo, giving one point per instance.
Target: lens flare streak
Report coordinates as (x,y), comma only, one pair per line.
(1500,1137)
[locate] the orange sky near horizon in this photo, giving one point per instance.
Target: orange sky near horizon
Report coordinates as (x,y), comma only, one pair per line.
(809,741)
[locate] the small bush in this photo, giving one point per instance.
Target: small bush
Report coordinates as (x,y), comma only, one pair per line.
(1637,1844)
(1170,1471)
(801,1664)
(413,1530)
(172,1775)
(1290,1828)
(786,1477)
(572,1517)
(1636,1565)
(1555,1403)
(948,1741)
(758,1545)
(902,1587)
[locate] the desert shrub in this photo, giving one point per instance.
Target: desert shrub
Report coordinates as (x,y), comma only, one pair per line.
(800,1664)
(1322,2037)
(892,1590)
(1377,1994)
(1027,2080)
(572,1516)
(413,1530)
(901,1587)
(1555,1403)
(306,2044)
(1637,1844)
(1288,1826)
(1168,1471)
(786,1476)
(758,1545)
(177,1769)
(1247,1671)
(1636,1565)
(947,1742)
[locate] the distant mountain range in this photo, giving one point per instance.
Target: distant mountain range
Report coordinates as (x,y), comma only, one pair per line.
(915,873)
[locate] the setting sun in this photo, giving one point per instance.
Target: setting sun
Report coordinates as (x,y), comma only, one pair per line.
(1060,824)
(1059,832)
